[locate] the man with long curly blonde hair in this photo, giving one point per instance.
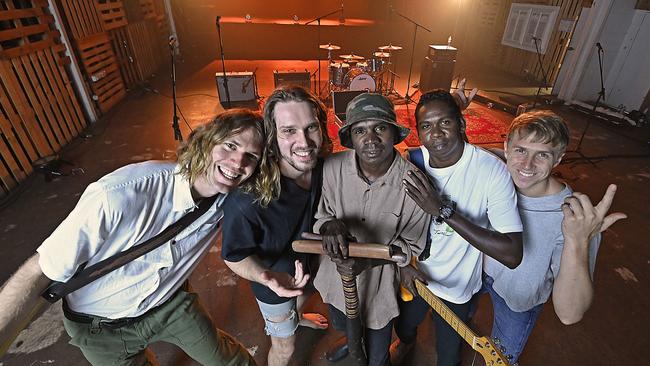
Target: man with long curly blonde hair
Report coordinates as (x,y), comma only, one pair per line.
(113,319)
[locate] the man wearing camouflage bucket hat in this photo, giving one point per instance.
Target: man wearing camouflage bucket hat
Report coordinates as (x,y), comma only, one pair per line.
(363,198)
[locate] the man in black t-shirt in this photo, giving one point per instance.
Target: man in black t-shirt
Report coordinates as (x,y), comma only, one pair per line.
(257,243)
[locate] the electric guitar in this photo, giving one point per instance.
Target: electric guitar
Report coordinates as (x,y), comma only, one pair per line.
(482,345)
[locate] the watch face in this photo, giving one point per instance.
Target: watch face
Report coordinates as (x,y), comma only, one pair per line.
(446,211)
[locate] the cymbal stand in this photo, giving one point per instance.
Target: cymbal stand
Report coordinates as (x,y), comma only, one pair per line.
(340,10)
(415,32)
(330,83)
(390,76)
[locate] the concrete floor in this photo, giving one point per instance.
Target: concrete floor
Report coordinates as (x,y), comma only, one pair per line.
(612,332)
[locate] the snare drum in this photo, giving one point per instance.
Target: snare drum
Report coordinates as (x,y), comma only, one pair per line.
(338,70)
(357,79)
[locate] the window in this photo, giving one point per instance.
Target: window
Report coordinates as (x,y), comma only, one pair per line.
(527,22)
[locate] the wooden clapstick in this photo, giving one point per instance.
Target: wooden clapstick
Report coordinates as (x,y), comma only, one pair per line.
(356,250)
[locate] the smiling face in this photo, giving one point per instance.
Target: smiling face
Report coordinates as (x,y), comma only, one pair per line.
(373,144)
(530,164)
(439,132)
(233,161)
(299,137)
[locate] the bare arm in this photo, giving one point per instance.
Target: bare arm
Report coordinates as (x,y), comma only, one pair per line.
(573,289)
(283,284)
(507,248)
(19,295)
(463,100)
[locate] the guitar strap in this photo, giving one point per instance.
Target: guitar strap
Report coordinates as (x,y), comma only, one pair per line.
(417,158)
(86,275)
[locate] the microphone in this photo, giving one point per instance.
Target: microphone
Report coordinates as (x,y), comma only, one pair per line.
(218,19)
(600,48)
(172,41)
(342,17)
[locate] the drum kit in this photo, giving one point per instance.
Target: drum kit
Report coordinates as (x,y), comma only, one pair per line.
(357,73)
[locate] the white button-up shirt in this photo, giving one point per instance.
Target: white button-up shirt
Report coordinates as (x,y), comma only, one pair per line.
(122,209)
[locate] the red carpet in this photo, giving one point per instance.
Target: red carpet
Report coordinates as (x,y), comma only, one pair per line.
(482,126)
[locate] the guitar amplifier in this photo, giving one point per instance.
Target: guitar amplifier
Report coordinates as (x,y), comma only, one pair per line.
(442,53)
(242,86)
(340,100)
(302,78)
(438,68)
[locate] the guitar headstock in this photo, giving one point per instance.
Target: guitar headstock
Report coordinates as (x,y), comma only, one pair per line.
(492,354)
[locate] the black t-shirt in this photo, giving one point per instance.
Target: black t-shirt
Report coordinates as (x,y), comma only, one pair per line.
(250,229)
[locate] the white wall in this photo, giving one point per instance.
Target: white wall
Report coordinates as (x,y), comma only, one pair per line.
(612,38)
(629,78)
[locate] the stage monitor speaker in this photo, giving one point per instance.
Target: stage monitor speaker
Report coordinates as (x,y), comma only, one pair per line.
(436,75)
(302,78)
(241,85)
(340,100)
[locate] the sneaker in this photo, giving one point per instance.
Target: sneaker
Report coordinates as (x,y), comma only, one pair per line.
(398,351)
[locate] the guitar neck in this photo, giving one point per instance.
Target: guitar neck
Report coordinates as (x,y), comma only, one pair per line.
(443,310)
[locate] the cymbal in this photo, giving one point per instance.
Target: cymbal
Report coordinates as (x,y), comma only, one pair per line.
(339,64)
(362,64)
(329,47)
(381,54)
(390,47)
(352,57)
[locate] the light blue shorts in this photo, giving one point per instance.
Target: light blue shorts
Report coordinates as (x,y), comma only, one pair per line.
(272,312)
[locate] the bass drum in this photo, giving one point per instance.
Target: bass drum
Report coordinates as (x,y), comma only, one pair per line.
(358,80)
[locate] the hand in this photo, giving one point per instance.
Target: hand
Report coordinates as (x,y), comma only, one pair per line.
(407,277)
(422,192)
(283,284)
(461,98)
(582,220)
(351,266)
(335,239)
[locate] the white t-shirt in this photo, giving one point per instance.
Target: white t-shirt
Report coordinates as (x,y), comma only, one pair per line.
(122,209)
(481,186)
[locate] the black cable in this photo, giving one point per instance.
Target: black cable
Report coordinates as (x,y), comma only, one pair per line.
(184,119)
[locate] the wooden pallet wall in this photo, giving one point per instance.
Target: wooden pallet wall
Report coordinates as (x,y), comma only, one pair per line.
(87,21)
(102,68)
(111,13)
(138,44)
(39,111)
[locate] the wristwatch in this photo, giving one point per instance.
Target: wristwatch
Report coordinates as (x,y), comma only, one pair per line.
(447,210)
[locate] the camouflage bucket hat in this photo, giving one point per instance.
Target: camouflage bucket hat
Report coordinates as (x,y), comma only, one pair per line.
(370,106)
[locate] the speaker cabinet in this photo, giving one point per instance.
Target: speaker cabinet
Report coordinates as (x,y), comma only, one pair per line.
(241,85)
(340,100)
(302,78)
(438,68)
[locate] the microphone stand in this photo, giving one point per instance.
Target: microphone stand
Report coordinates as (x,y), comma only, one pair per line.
(177,131)
(541,67)
(601,94)
(340,10)
(407,97)
(223,64)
